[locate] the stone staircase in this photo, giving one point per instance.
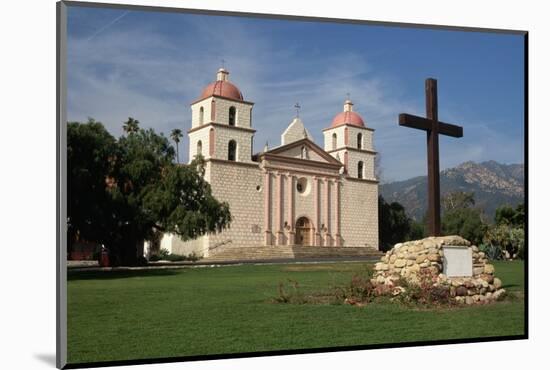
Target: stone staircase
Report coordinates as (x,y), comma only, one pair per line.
(231,253)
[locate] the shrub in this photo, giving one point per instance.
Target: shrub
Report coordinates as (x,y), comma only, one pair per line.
(425,291)
(510,240)
(154,258)
(493,252)
(174,258)
(164,255)
(360,289)
(289,292)
(193,257)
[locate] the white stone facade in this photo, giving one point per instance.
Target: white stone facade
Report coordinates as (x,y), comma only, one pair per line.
(294,194)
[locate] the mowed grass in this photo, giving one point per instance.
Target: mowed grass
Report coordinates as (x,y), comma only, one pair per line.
(222,310)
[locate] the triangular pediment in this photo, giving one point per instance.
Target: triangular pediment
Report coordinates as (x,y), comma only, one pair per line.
(304,149)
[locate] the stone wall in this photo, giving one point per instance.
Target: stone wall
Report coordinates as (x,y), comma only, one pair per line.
(243,116)
(221,114)
(410,259)
(202,135)
(236,184)
(206,105)
(354,156)
(224,134)
(198,246)
(367,134)
(340,138)
(359,213)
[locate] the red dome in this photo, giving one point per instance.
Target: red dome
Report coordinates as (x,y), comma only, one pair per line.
(222,88)
(350,118)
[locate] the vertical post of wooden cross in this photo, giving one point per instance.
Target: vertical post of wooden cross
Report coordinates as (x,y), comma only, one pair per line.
(433,128)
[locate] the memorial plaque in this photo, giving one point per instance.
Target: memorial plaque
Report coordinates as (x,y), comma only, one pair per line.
(457,261)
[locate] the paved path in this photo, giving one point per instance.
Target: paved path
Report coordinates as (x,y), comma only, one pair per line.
(188,264)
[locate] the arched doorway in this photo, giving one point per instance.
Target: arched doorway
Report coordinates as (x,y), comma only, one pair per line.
(303,231)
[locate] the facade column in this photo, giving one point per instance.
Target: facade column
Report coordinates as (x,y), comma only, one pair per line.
(290,213)
(280,208)
(326,213)
(337,236)
(317,225)
(267,208)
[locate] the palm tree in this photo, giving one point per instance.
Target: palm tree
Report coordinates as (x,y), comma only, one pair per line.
(176,135)
(131,126)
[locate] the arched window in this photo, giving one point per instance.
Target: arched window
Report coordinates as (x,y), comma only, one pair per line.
(232,116)
(211,142)
(360,169)
(232,150)
(359,141)
(199,147)
(201,116)
(334,141)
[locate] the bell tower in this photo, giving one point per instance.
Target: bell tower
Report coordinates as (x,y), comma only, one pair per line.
(350,141)
(221,122)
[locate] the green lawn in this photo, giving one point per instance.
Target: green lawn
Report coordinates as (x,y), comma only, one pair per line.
(197,311)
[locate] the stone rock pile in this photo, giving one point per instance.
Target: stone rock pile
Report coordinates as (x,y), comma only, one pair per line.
(414,259)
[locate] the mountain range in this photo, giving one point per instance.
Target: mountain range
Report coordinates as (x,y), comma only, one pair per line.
(493,184)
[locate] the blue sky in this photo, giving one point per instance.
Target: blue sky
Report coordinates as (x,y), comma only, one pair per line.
(151,66)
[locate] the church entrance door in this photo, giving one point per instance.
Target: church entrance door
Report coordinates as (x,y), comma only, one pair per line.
(303,231)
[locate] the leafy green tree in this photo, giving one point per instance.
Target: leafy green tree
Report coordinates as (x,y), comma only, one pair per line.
(466,222)
(91,152)
(418,230)
(508,233)
(131,126)
(176,135)
(458,200)
(394,225)
(139,191)
(461,217)
(510,216)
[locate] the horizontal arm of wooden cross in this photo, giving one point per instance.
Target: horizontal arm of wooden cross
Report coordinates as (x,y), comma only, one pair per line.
(425,124)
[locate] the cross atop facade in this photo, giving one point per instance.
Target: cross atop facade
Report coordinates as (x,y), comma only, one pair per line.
(433,128)
(223,63)
(297,106)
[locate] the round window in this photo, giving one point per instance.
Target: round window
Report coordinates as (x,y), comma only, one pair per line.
(302,186)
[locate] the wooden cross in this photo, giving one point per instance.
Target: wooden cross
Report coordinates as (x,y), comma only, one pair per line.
(433,127)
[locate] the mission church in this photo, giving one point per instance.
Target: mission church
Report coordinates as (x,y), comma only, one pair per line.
(297,194)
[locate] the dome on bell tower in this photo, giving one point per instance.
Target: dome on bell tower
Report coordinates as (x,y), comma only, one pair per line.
(222,87)
(347,117)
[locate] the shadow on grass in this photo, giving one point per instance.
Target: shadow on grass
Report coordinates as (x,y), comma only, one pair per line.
(107,275)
